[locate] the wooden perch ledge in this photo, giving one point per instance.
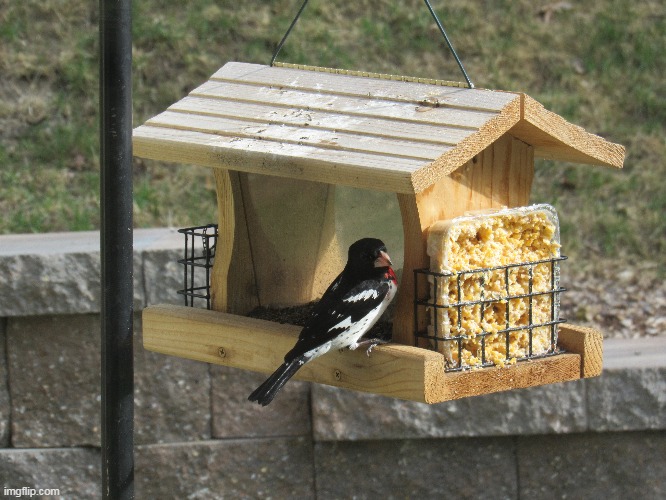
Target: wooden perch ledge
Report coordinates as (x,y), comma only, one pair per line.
(392,370)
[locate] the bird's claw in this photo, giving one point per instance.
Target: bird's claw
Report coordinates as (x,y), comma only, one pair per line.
(372,343)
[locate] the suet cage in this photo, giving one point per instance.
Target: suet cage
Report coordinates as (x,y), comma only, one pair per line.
(197,262)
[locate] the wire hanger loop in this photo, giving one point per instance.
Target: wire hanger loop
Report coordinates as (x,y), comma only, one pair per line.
(432,13)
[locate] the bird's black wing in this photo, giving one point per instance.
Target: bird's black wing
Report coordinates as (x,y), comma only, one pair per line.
(333,315)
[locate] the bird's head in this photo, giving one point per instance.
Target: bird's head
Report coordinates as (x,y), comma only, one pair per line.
(367,254)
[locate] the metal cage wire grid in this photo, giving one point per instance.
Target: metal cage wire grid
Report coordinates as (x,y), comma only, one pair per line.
(440,340)
(198,259)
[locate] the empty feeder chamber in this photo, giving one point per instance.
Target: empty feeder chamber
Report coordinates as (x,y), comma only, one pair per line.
(493,287)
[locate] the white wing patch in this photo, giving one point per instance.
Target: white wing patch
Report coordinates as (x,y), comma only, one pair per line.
(364,295)
(351,332)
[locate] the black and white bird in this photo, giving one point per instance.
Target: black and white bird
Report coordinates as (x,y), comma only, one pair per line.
(349,308)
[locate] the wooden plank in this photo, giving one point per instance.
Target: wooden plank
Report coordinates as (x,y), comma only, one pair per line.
(555,138)
(233,282)
(258,345)
(311,118)
(325,125)
(469,147)
(368,88)
(294,159)
(380,173)
(542,371)
(304,136)
(353,106)
(584,341)
(398,371)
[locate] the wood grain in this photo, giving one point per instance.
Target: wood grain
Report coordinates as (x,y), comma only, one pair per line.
(277,243)
(362,87)
(393,370)
(364,125)
(291,227)
(584,341)
(233,280)
(555,138)
(349,130)
(282,133)
(293,161)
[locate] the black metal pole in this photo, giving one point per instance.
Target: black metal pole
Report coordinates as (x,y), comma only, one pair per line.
(116,248)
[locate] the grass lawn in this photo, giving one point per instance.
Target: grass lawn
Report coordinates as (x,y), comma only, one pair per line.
(599,64)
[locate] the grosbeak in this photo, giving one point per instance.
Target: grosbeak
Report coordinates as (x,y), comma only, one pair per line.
(351,305)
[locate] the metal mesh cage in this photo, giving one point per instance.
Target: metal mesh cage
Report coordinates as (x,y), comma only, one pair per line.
(197,262)
(480,318)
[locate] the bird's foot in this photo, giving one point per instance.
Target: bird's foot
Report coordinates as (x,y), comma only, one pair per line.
(371,343)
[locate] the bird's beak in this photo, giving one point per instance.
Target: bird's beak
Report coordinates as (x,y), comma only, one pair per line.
(383,260)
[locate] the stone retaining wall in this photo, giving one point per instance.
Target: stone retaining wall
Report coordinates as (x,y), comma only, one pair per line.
(196,435)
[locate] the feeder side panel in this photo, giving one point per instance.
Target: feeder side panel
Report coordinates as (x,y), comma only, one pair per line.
(233,283)
(292,246)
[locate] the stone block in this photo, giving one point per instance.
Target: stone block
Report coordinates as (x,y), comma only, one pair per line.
(346,415)
(54,380)
(628,400)
(613,465)
(54,363)
(171,397)
(59,273)
(75,472)
(5,402)
(436,468)
(54,273)
(631,392)
(162,276)
(236,417)
(248,468)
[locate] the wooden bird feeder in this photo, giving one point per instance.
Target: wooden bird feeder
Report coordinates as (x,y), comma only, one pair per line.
(280,138)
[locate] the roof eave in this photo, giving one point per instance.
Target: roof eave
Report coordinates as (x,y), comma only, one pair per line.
(555,138)
(552,137)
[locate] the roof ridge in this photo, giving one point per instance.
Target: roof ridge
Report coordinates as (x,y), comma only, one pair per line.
(370,74)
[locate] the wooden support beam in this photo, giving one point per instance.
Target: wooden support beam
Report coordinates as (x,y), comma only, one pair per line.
(393,370)
(233,282)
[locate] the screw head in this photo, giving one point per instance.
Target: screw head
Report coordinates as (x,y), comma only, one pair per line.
(337,374)
(221,352)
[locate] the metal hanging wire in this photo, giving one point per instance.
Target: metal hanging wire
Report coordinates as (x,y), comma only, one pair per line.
(291,27)
(432,13)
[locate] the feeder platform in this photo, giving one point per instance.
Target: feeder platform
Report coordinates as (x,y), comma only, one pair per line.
(393,370)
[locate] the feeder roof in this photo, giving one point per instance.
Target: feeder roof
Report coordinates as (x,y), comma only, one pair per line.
(364,130)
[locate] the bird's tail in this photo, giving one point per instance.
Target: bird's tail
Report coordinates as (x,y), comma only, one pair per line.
(265,393)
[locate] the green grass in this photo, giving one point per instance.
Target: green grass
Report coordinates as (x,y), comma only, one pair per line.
(598,64)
